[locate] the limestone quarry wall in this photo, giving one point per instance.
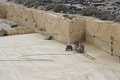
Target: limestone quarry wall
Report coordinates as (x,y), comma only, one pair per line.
(92,31)
(62,29)
(77,30)
(99,33)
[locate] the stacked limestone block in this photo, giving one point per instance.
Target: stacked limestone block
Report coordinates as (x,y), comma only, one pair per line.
(6,25)
(19,30)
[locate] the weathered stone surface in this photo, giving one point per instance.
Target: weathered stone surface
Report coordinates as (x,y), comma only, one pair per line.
(99,33)
(30,57)
(93,31)
(61,29)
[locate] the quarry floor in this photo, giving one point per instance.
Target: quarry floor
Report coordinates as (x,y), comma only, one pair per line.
(31,57)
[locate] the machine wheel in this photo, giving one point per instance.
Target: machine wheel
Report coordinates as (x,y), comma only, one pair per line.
(69,47)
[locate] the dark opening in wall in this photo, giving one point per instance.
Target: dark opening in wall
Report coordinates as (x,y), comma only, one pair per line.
(26,19)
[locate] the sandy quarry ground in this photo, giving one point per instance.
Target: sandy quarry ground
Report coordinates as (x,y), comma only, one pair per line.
(30,57)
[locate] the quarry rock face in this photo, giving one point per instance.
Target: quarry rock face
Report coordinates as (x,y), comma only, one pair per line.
(99,33)
(92,31)
(48,24)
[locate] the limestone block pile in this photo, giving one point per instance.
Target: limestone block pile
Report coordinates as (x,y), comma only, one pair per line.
(3,25)
(19,30)
(6,25)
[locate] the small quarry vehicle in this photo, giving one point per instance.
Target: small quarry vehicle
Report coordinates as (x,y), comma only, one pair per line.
(80,48)
(69,47)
